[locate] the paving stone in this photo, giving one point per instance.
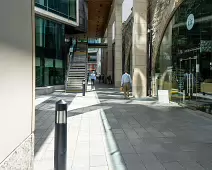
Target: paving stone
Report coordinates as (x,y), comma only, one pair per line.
(168,134)
(117,131)
(119,136)
(135,141)
(139,166)
(80,167)
(44,165)
(131,158)
(191,165)
(97,150)
(148,158)
(98,160)
(171,147)
(142,148)
(99,168)
(154,166)
(124,135)
(125,147)
(166,157)
(206,164)
(173,166)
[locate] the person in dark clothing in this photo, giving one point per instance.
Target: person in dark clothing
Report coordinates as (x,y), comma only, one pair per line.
(100,77)
(109,79)
(93,78)
(103,76)
(88,77)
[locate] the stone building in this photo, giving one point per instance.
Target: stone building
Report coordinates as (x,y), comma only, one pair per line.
(182,51)
(178,44)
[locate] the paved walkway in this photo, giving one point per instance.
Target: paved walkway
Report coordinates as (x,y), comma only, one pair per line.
(106,132)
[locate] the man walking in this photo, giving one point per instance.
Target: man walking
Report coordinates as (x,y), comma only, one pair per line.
(93,78)
(126,83)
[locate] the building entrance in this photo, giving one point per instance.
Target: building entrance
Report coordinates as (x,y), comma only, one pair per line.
(188,80)
(184,64)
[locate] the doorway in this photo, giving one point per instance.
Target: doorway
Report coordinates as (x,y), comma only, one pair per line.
(189,69)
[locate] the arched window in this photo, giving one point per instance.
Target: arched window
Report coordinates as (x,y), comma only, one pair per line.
(185,55)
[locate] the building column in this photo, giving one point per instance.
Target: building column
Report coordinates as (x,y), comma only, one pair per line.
(118,44)
(109,50)
(139,48)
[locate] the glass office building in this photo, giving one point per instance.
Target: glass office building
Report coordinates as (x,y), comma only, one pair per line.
(184,61)
(63,8)
(50,59)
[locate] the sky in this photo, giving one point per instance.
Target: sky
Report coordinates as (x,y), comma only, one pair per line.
(126,9)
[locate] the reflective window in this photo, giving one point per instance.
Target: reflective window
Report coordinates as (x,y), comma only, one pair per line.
(50,58)
(184,63)
(64,8)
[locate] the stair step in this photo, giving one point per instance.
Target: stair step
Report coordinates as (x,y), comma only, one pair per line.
(77,69)
(77,76)
(72,74)
(76,73)
(73,91)
(73,86)
(77,66)
(70,81)
(75,79)
(79,84)
(78,63)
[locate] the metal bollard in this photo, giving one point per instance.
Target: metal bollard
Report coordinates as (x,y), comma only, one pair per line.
(83,87)
(60,146)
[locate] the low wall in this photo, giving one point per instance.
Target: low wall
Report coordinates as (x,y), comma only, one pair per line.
(48,89)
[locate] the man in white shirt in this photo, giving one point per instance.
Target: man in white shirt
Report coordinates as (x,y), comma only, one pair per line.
(126,83)
(93,78)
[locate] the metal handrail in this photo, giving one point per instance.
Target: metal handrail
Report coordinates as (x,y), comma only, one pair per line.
(69,65)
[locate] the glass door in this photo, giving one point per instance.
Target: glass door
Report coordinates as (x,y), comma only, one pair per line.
(188,75)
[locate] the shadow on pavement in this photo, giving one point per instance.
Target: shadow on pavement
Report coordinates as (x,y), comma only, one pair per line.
(140,135)
(45,118)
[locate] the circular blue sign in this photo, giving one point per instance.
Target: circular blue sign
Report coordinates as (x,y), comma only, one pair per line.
(190,22)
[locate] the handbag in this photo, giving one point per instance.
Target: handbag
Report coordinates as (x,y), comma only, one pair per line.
(121,89)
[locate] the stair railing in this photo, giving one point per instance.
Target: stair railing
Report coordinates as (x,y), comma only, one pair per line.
(71,56)
(86,67)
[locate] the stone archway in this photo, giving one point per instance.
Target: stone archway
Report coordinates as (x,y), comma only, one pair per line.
(166,10)
(159,25)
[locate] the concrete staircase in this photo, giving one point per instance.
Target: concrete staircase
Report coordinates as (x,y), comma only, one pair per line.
(77,69)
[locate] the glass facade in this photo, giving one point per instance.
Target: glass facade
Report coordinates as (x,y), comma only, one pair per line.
(50,58)
(94,41)
(64,8)
(184,62)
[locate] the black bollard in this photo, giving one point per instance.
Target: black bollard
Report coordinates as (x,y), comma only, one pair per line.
(60,146)
(83,87)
